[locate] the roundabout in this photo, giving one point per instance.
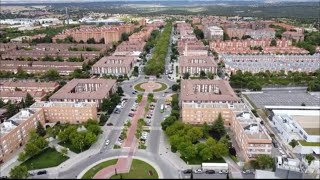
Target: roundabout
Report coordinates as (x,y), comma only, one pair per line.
(139,169)
(150,86)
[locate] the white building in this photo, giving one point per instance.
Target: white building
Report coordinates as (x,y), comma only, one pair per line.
(301,125)
(213,32)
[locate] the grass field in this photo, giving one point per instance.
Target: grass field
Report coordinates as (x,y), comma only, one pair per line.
(163,87)
(89,174)
(305,143)
(137,87)
(47,158)
(139,170)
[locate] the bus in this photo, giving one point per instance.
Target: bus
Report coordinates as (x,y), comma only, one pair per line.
(162,108)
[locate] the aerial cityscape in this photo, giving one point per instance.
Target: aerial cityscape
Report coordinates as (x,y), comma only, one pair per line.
(146,89)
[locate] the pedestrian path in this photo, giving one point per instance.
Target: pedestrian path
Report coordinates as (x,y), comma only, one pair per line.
(124,164)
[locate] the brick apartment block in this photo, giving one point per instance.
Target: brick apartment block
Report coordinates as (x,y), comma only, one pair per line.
(15,131)
(115,65)
(195,64)
(85,90)
(202,100)
(63,68)
(109,33)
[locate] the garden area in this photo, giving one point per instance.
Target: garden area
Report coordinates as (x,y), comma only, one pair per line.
(138,87)
(90,174)
(139,170)
(49,157)
(163,87)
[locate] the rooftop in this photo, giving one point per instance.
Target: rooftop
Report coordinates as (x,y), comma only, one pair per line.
(114,61)
(42,104)
(214,90)
(85,89)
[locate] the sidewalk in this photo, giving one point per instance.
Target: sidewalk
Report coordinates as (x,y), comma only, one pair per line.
(124,164)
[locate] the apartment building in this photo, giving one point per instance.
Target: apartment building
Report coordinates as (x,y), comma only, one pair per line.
(108,33)
(115,65)
(85,90)
(143,35)
(283,46)
(212,32)
(251,137)
(63,68)
(255,34)
(202,100)
(195,64)
(273,63)
(17,96)
(15,131)
(130,46)
(296,36)
(28,86)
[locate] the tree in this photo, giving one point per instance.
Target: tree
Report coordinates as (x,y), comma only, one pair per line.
(186,75)
(175,87)
(135,71)
(120,91)
(195,133)
(293,143)
(91,41)
(11,109)
(273,42)
(202,74)
(19,172)
(265,161)
(205,129)
(93,126)
(168,122)
(218,126)
(199,33)
(309,158)
(124,37)
(206,154)
(29,100)
(40,129)
(210,75)
(1,103)
(102,41)
(52,74)
(64,151)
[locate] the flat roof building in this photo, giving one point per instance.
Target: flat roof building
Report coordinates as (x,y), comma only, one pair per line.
(202,100)
(195,64)
(14,132)
(115,65)
(85,90)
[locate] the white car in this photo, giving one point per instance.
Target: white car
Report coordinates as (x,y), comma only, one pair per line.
(198,171)
(107,142)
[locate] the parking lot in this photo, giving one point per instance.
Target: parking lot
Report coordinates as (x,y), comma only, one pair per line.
(284,98)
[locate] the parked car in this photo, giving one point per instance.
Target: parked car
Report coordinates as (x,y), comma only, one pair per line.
(198,171)
(210,171)
(109,124)
(107,142)
(131,114)
(187,171)
(42,172)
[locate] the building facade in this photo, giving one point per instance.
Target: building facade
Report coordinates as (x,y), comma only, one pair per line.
(195,64)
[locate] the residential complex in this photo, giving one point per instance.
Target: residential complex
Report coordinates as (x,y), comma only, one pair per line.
(16,91)
(85,90)
(108,33)
(63,68)
(254,34)
(257,63)
(251,46)
(195,64)
(115,65)
(15,130)
(202,100)
(251,137)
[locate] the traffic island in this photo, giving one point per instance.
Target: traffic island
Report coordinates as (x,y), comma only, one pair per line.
(150,86)
(139,170)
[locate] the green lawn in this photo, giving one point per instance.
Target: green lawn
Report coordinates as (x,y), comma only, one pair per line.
(47,158)
(89,174)
(137,87)
(198,160)
(163,87)
(139,170)
(68,145)
(305,143)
